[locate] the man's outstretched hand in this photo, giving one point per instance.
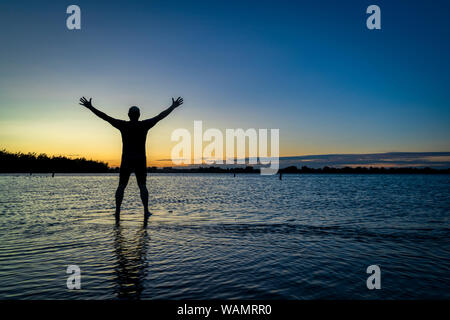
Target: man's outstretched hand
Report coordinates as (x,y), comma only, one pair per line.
(177,103)
(88,104)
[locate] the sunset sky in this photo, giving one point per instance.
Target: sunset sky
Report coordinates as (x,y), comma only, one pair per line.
(310,68)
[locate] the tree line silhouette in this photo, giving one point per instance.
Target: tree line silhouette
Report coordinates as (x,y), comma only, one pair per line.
(41,163)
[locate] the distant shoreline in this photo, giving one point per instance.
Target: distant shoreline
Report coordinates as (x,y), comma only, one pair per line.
(246,171)
(15,163)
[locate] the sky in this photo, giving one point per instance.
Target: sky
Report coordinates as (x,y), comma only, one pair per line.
(309,68)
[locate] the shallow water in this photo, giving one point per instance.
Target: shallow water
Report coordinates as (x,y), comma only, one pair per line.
(213,236)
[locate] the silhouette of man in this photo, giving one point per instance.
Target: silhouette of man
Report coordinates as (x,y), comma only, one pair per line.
(134,135)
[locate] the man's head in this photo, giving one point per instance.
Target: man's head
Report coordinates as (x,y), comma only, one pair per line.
(134,113)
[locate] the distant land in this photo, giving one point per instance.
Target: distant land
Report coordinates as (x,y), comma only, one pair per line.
(42,163)
(437,160)
(34,163)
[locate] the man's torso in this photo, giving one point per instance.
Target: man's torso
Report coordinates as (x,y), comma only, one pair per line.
(134,136)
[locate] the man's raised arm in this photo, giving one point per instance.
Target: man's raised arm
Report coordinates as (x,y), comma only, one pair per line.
(175,104)
(88,104)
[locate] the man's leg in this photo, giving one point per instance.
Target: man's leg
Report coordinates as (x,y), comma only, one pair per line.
(141,177)
(123,181)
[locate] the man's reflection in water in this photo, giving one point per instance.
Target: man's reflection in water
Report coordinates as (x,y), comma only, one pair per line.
(130,247)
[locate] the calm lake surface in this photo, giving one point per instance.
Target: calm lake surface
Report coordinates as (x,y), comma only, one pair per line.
(213,236)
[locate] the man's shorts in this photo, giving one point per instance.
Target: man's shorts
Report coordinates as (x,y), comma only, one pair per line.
(138,166)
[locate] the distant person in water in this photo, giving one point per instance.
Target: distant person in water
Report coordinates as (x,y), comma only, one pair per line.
(134,134)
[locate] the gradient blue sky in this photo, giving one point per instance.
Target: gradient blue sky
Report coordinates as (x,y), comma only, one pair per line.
(310,68)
